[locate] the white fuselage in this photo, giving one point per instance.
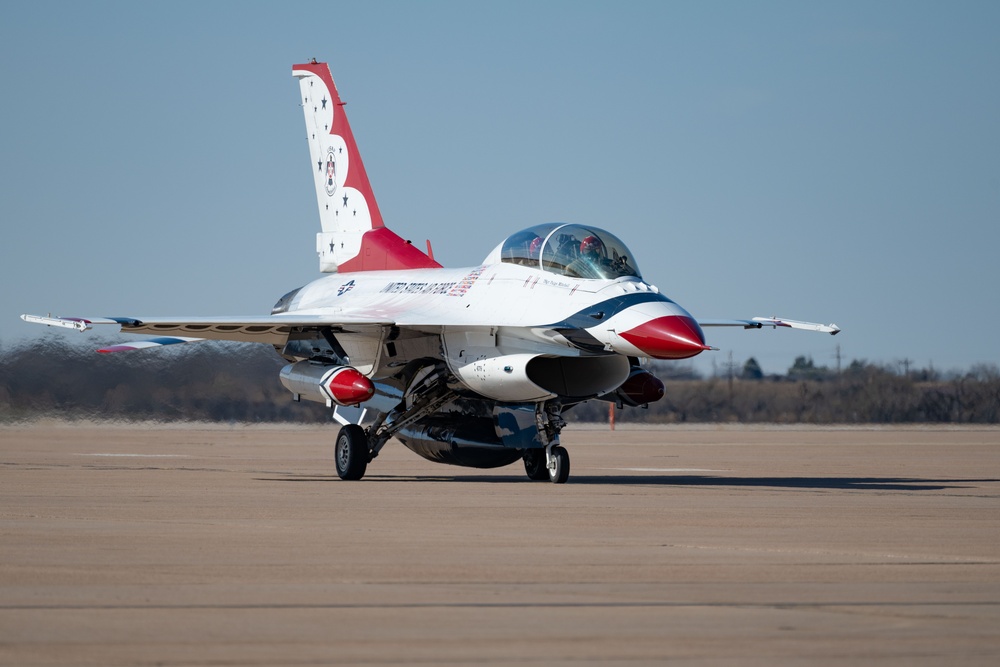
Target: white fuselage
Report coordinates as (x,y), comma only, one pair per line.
(521,300)
(491,320)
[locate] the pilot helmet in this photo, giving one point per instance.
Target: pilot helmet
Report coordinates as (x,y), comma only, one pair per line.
(535,246)
(591,245)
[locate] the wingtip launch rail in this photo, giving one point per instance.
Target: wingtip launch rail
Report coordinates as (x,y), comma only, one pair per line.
(774,323)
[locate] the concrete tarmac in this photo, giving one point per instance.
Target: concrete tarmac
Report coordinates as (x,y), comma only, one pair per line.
(217,545)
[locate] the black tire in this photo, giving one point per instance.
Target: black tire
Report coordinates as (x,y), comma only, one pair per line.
(560,473)
(534,464)
(351,452)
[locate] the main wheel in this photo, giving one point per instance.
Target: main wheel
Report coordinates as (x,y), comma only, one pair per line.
(352,452)
(559,473)
(534,464)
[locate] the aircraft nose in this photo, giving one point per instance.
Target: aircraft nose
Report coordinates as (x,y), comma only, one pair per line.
(669,337)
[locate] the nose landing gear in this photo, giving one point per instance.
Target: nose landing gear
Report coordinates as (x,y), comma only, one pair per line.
(557,463)
(552,462)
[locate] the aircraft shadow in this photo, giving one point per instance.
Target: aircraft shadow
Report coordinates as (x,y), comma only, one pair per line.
(828,483)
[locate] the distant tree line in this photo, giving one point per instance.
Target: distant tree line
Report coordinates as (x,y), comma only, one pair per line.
(862,393)
(209,381)
(56,377)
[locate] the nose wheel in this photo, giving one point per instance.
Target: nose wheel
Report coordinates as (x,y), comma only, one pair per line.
(557,464)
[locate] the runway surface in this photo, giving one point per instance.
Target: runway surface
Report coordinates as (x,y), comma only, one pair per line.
(143,544)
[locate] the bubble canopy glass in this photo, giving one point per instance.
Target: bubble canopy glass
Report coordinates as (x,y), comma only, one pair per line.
(574,251)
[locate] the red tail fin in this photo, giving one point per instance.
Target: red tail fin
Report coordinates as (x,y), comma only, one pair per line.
(354,238)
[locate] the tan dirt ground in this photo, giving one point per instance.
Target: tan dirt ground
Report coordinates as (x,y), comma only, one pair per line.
(217,545)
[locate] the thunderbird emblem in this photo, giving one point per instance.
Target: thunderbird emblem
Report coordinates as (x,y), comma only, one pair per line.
(330,180)
(345,288)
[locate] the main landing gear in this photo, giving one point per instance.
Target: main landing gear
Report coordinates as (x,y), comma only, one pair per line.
(357,446)
(352,452)
(426,393)
(535,464)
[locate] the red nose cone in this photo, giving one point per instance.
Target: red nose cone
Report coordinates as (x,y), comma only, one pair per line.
(349,387)
(671,337)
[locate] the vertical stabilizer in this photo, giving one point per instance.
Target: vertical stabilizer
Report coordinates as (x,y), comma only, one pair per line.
(353,236)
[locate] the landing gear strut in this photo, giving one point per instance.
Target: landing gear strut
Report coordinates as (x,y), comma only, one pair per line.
(548,419)
(356,446)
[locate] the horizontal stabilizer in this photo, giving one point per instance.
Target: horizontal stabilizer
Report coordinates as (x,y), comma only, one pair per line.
(152,342)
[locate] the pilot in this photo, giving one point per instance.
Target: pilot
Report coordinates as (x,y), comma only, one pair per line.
(522,248)
(592,257)
(535,247)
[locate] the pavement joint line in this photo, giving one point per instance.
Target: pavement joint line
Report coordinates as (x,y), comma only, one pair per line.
(138,456)
(502,605)
(666,469)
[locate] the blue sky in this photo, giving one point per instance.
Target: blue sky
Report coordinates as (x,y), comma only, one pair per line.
(833,162)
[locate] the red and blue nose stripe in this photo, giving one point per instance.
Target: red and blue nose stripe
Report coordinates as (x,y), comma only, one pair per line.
(668,337)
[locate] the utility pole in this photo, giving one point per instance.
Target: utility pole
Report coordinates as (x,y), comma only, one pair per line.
(730,369)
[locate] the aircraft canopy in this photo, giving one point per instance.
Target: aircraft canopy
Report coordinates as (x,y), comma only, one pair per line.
(575,251)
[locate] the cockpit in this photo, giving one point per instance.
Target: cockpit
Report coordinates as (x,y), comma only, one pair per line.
(574,251)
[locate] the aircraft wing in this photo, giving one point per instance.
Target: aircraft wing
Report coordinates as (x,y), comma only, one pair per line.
(271,329)
(774,322)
